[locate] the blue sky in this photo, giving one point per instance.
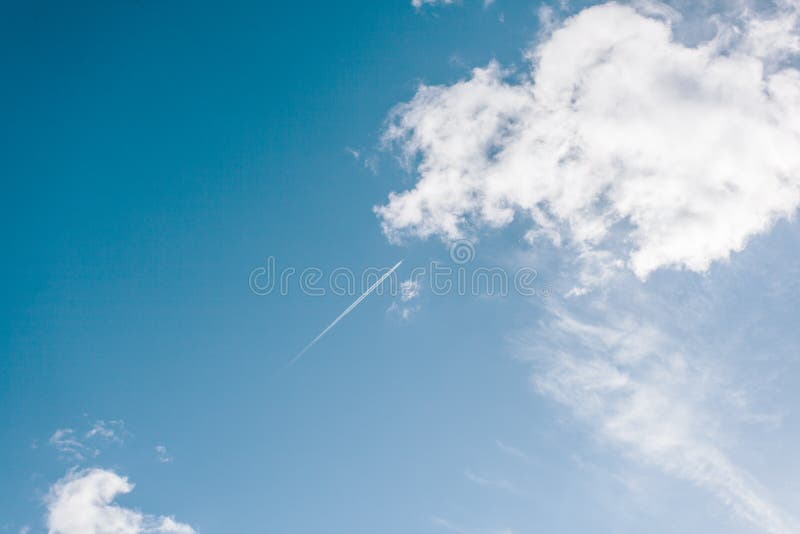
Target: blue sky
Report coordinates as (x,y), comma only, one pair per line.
(156,155)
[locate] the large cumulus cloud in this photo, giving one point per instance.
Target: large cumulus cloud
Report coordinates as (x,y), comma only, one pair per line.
(619,140)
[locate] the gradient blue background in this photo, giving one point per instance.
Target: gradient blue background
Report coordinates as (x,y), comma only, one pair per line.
(152,155)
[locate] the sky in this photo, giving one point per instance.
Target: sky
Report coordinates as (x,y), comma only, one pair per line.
(582,217)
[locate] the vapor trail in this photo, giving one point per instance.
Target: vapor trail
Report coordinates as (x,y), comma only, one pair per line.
(347,310)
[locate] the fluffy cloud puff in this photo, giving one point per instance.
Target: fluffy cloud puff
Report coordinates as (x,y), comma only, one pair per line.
(620,140)
(81,503)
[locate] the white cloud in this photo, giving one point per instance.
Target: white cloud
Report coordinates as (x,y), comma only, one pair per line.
(620,141)
(402,311)
(162,455)
(82,503)
(419,3)
(108,431)
(409,290)
(639,391)
(65,442)
(76,447)
(369,161)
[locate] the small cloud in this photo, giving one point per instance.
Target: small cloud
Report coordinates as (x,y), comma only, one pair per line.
(409,290)
(68,445)
(77,446)
(108,431)
(369,162)
(162,455)
(404,312)
(419,3)
(25,530)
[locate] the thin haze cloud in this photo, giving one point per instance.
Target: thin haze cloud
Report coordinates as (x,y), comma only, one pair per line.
(347,310)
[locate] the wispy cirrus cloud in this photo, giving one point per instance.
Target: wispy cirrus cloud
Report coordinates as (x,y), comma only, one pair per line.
(640,390)
(107,430)
(68,444)
(494,483)
(78,446)
(514,452)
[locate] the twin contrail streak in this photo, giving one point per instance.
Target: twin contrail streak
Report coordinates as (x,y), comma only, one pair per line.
(347,310)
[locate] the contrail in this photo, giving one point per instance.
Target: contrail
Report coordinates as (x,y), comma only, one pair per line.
(347,310)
